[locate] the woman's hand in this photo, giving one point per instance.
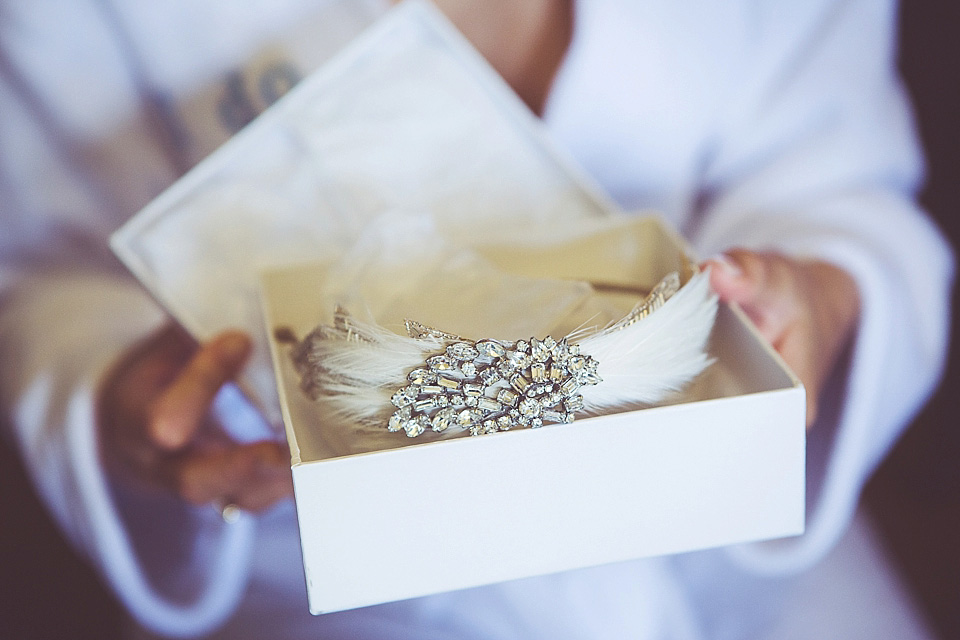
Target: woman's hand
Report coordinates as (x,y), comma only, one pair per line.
(806,309)
(156,427)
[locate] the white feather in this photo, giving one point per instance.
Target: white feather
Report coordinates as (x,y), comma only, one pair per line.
(359,370)
(660,354)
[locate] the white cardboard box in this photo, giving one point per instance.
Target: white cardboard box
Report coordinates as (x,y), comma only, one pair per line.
(370,132)
(394,518)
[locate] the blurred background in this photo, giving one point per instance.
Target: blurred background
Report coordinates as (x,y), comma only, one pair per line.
(46,590)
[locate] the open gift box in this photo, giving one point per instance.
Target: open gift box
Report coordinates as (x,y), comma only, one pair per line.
(409,118)
(384,517)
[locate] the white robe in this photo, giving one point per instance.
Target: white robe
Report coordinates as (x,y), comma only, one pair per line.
(770,125)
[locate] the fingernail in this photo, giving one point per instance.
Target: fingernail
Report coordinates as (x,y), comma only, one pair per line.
(723,262)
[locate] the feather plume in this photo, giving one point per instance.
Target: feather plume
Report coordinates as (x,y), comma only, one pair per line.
(364,370)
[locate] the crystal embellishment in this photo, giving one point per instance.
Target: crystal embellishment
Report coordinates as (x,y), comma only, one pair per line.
(491,385)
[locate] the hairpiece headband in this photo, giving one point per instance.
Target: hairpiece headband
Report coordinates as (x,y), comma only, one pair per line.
(434,380)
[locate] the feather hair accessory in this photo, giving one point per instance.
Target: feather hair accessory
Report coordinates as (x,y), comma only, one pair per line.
(433,380)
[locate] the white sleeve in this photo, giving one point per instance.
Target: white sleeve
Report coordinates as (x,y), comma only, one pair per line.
(817,158)
(67,312)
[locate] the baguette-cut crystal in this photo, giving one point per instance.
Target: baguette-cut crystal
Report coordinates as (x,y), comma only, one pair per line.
(569,385)
(552,415)
(519,383)
(573,404)
(538,371)
(488,404)
(507,397)
(473,390)
(424,405)
(448,383)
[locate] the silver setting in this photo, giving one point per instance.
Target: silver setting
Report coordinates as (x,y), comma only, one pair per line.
(492,385)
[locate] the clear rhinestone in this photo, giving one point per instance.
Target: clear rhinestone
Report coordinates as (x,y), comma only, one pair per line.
(411,391)
(568,418)
(538,371)
(577,364)
(539,351)
(506,369)
(569,386)
(573,349)
(422,376)
(489,404)
(519,383)
(504,423)
(473,390)
(549,343)
(468,417)
(556,373)
(590,377)
(400,399)
(456,400)
(490,375)
(530,408)
(514,415)
(507,397)
(536,423)
(425,405)
(440,363)
(552,416)
(398,419)
(468,369)
(490,349)
(476,430)
(416,426)
(443,419)
(553,398)
(522,345)
(470,401)
(572,404)
(448,383)
(462,351)
(518,359)
(489,426)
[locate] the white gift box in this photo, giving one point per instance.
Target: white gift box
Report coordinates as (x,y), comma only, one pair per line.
(409,119)
(386,517)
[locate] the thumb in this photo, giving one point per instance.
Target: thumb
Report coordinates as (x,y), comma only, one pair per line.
(757,283)
(180,410)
